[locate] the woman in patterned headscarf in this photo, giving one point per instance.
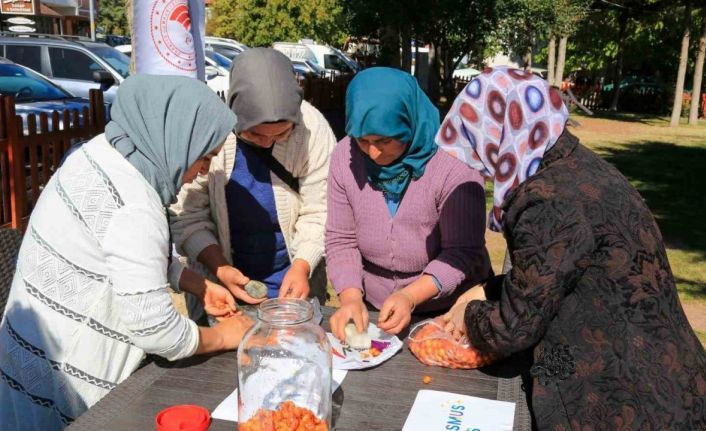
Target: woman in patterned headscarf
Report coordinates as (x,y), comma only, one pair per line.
(590,290)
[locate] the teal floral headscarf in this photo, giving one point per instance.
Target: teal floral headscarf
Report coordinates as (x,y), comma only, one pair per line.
(388,102)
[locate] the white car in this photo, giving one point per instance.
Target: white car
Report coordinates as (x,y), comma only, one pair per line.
(217,78)
(226,47)
(334,61)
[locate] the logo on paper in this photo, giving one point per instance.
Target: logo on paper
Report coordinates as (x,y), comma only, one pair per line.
(170,28)
(454,421)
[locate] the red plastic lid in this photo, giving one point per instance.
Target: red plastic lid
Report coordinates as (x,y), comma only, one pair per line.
(183,418)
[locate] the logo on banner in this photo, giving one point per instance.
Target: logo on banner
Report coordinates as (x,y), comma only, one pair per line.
(170,28)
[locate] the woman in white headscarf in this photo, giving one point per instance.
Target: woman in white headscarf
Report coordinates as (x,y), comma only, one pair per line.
(260,212)
(89,297)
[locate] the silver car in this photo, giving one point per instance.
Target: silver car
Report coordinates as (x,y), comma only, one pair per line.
(226,47)
(78,65)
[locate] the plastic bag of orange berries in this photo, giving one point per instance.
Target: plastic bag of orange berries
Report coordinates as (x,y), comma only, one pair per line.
(433,346)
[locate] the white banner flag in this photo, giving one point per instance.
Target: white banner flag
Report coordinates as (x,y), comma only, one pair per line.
(164,37)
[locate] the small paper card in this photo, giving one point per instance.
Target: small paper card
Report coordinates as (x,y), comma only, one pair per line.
(227,410)
(346,358)
(434,410)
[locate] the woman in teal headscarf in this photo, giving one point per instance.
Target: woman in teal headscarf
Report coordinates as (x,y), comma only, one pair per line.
(90,291)
(405,223)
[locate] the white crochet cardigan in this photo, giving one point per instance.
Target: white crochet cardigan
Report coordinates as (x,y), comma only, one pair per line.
(89,297)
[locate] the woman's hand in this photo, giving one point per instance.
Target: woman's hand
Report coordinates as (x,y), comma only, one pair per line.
(235,281)
(352,308)
(226,335)
(455,318)
(218,301)
(232,330)
(296,281)
(396,312)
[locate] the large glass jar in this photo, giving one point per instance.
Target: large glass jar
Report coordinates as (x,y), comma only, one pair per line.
(284,370)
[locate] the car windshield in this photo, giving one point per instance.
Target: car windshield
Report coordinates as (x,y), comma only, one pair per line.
(226,51)
(116,59)
(28,86)
(300,68)
(350,62)
(334,62)
(220,60)
(318,69)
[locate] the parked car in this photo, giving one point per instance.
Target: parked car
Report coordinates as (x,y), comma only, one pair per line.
(304,68)
(334,61)
(219,60)
(70,63)
(217,78)
(228,48)
(113,39)
(639,83)
(35,94)
(466,73)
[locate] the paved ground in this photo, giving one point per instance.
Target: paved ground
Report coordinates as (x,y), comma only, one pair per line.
(696,313)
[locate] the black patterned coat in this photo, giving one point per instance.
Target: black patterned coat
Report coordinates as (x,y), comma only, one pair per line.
(592,293)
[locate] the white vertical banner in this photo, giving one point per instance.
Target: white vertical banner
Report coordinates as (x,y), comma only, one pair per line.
(164,37)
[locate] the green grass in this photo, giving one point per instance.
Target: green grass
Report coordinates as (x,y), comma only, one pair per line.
(668,167)
(701,336)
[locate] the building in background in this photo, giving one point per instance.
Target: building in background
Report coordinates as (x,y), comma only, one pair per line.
(60,17)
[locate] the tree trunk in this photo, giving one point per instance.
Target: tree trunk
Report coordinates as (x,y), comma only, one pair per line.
(527,58)
(551,59)
(622,33)
(390,47)
(683,61)
(449,84)
(446,73)
(561,61)
(433,75)
(698,74)
(406,39)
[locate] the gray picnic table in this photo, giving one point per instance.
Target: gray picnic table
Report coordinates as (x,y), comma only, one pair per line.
(375,399)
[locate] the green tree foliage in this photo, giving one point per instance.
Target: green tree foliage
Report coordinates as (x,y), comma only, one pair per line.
(651,44)
(458,29)
(526,24)
(113,17)
(522,22)
(262,22)
(455,29)
(568,14)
